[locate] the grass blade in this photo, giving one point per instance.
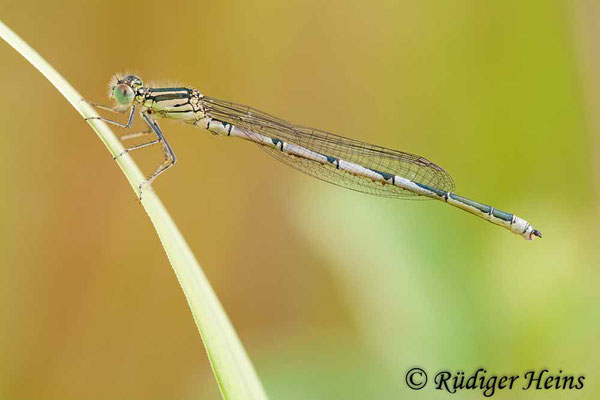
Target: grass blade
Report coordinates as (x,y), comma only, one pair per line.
(233,370)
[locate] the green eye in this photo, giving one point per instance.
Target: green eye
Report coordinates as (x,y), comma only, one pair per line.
(123,94)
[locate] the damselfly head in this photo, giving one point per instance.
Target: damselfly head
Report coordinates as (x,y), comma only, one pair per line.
(123,89)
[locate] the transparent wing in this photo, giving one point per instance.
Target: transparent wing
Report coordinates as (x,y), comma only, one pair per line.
(410,166)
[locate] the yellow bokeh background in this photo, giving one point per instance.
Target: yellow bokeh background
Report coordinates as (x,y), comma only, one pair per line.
(334,294)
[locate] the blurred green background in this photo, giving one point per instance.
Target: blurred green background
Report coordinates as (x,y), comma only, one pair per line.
(335,294)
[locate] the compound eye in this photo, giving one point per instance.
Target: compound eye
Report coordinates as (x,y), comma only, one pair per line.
(133,80)
(123,94)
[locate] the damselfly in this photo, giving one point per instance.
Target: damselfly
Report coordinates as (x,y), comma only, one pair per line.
(345,162)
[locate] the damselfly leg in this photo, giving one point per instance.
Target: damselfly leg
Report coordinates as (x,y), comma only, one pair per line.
(106,108)
(136,134)
(137,147)
(170,158)
(110,121)
(153,128)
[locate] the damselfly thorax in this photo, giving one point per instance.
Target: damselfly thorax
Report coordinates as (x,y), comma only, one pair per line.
(336,159)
